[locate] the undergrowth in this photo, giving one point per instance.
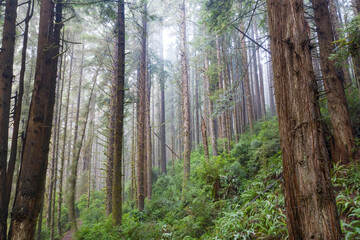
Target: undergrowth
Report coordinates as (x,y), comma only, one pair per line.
(238,195)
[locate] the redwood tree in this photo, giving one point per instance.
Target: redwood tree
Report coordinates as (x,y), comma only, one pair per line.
(185,99)
(309,198)
(334,86)
(6,78)
(119,123)
(31,182)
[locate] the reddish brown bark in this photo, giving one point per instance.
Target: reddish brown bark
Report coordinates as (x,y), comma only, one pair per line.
(6,78)
(31,183)
(334,86)
(309,198)
(119,124)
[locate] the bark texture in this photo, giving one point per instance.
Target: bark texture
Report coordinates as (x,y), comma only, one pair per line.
(309,198)
(6,78)
(141,122)
(119,125)
(185,100)
(31,183)
(334,86)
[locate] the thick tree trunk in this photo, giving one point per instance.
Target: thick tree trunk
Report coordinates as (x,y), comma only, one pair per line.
(309,198)
(17,116)
(6,78)
(31,182)
(334,86)
(119,125)
(185,100)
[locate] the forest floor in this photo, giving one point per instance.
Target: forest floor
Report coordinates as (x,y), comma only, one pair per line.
(69,234)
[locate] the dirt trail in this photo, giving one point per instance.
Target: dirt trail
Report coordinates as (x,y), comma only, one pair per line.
(69,234)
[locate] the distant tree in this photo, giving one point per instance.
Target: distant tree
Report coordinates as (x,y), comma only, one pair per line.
(141,116)
(185,98)
(119,122)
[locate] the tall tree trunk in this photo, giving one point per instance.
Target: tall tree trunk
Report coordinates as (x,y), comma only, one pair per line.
(148,163)
(74,161)
(162,113)
(334,86)
(148,167)
(62,157)
(221,118)
(142,119)
(197,106)
(133,156)
(17,116)
(76,156)
(245,67)
(256,79)
(53,155)
(261,76)
(119,125)
(335,22)
(185,99)
(61,77)
(209,110)
(6,78)
(309,198)
(111,137)
(31,182)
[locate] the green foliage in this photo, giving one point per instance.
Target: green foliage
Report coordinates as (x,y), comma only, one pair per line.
(347,185)
(233,196)
(349,45)
(354,109)
(217,14)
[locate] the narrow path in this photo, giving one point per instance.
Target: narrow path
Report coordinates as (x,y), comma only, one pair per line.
(69,234)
